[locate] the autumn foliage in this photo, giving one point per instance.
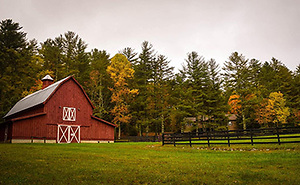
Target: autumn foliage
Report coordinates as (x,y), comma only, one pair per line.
(257,92)
(235,104)
(120,71)
(272,111)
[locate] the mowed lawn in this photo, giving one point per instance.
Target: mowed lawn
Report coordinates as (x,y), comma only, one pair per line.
(148,163)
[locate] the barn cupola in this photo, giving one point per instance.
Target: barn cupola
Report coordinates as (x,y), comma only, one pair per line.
(47,80)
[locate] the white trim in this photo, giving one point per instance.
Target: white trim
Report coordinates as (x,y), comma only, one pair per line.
(96,141)
(66,133)
(69,114)
(54,141)
(30,140)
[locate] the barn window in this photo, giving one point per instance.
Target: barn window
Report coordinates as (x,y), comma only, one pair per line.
(69,114)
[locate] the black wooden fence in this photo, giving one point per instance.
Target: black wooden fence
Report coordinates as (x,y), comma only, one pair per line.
(139,139)
(231,137)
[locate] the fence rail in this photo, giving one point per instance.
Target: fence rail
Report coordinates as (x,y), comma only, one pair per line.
(231,137)
(139,139)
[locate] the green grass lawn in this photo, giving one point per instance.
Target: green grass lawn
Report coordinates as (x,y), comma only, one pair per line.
(148,163)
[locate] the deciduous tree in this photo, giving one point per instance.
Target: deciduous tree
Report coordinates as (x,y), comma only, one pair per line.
(277,105)
(120,70)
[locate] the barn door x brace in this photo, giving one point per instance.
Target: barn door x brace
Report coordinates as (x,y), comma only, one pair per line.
(68,133)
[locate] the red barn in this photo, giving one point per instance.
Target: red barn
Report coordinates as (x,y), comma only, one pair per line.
(61,112)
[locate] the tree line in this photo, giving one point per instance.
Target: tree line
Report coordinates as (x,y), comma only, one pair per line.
(142,93)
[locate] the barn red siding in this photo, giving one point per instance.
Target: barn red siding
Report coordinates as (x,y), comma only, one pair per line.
(50,115)
(101,130)
(27,128)
(71,95)
(68,95)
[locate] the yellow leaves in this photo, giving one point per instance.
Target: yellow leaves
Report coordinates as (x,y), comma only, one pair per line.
(120,70)
(277,104)
(134,91)
(264,113)
(273,110)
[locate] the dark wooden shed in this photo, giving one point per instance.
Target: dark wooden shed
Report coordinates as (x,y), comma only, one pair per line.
(61,112)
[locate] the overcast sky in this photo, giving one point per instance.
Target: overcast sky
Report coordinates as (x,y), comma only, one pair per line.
(259,29)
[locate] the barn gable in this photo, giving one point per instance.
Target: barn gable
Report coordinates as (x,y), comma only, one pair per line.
(69,99)
(41,97)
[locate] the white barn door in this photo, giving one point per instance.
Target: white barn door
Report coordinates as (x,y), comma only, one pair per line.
(68,133)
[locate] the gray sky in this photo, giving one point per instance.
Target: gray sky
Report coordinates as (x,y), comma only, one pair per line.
(259,29)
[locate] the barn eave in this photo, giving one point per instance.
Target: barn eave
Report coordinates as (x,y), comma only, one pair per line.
(103,121)
(29,116)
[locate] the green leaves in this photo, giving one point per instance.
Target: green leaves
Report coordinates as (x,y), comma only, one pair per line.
(17,72)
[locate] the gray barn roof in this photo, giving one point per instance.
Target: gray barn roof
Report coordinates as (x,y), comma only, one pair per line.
(34,99)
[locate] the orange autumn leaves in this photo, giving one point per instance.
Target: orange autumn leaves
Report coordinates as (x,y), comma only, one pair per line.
(235,104)
(268,111)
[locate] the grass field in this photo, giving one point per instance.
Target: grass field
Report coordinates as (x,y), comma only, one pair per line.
(148,163)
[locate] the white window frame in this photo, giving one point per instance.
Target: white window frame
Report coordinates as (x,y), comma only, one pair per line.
(69,114)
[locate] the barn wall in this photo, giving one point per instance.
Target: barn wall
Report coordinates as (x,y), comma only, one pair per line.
(68,95)
(71,95)
(98,131)
(233,125)
(27,128)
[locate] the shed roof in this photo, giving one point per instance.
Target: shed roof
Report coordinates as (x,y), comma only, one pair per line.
(231,117)
(34,99)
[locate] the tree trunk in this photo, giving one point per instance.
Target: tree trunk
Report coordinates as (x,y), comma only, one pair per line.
(244,123)
(162,124)
(101,99)
(147,130)
(140,130)
(119,135)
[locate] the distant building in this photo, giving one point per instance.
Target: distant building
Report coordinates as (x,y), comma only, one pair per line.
(232,124)
(190,123)
(61,112)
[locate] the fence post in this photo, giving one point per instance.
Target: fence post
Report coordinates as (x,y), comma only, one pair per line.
(174,140)
(190,137)
(207,138)
(163,139)
(277,132)
(228,138)
(251,134)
